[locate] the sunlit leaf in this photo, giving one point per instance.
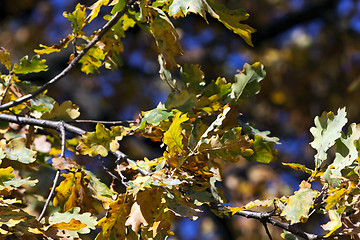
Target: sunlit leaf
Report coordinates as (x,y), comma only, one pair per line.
(16,150)
(180,8)
(102,140)
(326,131)
(95,9)
(300,167)
(6,174)
(56,47)
(63,163)
(299,204)
(73,221)
(346,154)
(173,137)
(19,182)
(34,65)
(77,18)
(333,224)
(155,116)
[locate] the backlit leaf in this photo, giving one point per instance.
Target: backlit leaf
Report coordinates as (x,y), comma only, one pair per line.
(65,111)
(256,203)
(5,58)
(247,82)
(56,47)
(77,18)
(173,137)
(231,19)
(183,101)
(113,224)
(326,131)
(263,151)
(155,116)
(300,167)
(92,60)
(167,39)
(95,9)
(19,182)
(193,77)
(299,204)
(34,65)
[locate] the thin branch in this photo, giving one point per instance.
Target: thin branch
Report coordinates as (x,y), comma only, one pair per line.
(109,123)
(267,229)
(266,217)
(113,176)
(72,64)
(61,128)
(69,128)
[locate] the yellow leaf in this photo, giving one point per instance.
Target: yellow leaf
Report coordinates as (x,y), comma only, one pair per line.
(73,225)
(95,9)
(173,137)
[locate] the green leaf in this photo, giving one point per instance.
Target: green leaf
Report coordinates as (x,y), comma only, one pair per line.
(326,131)
(231,19)
(118,6)
(155,116)
(289,236)
(16,150)
(183,101)
(247,82)
(173,137)
(346,154)
(88,222)
(263,151)
(35,65)
(263,134)
(193,77)
(56,47)
(19,182)
(66,111)
(101,141)
(167,39)
(5,58)
(298,206)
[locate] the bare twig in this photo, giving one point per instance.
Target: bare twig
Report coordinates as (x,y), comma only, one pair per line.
(72,64)
(266,229)
(109,123)
(61,128)
(266,218)
(113,176)
(69,128)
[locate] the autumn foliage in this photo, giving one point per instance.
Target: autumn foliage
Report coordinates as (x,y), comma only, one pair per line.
(198,128)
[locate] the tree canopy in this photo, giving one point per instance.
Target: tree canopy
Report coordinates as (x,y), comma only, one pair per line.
(180,157)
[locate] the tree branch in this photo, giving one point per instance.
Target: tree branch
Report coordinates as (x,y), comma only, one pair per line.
(73,63)
(265,217)
(69,128)
(61,128)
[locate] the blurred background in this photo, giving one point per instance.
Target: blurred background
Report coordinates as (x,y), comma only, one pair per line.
(311,52)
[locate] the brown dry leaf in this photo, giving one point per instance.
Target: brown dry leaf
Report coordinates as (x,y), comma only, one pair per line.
(64,163)
(136,219)
(73,225)
(41,145)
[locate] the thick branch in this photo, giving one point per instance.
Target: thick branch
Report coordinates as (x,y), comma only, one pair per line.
(69,128)
(72,64)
